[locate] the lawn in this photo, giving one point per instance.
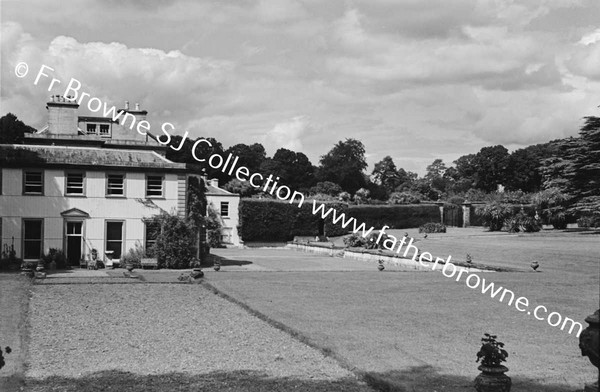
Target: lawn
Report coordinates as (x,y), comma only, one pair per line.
(417,331)
(422,330)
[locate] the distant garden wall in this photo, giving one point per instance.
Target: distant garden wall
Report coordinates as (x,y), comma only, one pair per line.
(275,220)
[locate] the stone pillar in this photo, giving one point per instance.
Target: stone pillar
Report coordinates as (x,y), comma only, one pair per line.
(466,206)
(440,205)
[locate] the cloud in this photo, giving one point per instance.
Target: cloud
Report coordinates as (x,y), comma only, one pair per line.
(279,10)
(585,59)
(476,54)
(164,82)
(287,134)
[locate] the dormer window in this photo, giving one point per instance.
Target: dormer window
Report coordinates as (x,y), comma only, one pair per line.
(104,130)
(91,129)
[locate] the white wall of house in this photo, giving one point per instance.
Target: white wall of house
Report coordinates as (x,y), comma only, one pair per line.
(14,207)
(229,232)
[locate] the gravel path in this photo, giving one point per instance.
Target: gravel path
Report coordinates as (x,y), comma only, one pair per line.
(77,330)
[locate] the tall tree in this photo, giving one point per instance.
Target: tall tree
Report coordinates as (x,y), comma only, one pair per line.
(344,164)
(251,156)
(585,178)
(294,168)
(13,130)
(386,174)
(435,175)
(491,164)
(524,167)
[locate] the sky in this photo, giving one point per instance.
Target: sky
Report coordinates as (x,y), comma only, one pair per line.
(415,80)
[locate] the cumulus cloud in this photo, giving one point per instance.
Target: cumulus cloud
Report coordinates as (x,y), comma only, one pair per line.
(164,82)
(585,59)
(287,134)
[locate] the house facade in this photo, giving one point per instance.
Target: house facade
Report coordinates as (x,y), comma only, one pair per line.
(227,205)
(85,183)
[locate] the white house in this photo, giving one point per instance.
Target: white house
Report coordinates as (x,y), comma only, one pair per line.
(89,182)
(227,204)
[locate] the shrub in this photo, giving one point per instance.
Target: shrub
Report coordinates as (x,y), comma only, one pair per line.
(176,243)
(327,188)
(394,216)
(275,220)
(432,227)
(9,259)
(405,198)
(56,255)
(457,200)
(213,227)
(355,241)
(362,196)
(523,221)
(344,196)
(134,256)
(358,241)
(493,215)
(587,221)
(552,206)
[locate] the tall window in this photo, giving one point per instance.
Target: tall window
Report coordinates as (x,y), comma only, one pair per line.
(152,230)
(104,130)
(114,238)
(154,186)
(75,184)
(224,208)
(115,184)
(91,129)
(33,238)
(33,182)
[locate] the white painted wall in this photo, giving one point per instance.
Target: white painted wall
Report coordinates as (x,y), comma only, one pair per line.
(230,223)
(14,206)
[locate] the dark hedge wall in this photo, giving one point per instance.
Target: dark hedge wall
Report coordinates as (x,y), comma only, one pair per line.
(274,220)
(401,216)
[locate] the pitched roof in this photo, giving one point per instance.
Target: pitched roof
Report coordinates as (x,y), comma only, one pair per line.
(17,155)
(214,191)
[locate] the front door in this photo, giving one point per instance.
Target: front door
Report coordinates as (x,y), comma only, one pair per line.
(74,240)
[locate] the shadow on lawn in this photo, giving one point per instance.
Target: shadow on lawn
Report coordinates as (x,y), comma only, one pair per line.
(426,378)
(212,259)
(251,381)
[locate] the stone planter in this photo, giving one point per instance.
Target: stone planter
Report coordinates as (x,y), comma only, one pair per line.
(129,267)
(492,379)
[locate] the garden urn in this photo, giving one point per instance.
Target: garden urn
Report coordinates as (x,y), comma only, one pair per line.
(492,379)
(589,343)
(129,267)
(197,273)
(380,267)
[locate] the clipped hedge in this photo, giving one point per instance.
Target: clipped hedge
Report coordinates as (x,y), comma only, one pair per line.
(276,220)
(401,216)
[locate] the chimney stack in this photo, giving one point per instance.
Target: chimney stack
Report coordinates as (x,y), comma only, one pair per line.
(137,107)
(126,105)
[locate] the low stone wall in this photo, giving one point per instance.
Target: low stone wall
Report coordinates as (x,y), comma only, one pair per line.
(391,262)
